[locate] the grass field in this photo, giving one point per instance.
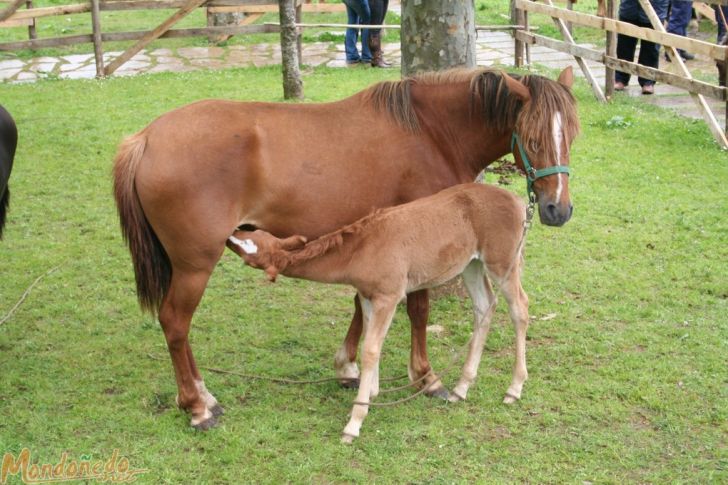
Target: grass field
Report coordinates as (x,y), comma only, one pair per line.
(626,352)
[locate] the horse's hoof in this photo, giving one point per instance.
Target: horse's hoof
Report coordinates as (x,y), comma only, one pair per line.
(440,392)
(206,424)
(455,397)
(217,410)
(509,399)
(347,439)
(350,384)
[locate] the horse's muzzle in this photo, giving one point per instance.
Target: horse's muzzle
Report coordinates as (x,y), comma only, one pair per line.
(552,214)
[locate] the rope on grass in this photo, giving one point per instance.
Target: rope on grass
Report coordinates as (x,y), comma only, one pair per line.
(280,380)
(26,293)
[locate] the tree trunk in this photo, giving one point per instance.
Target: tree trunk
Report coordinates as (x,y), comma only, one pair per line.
(437,34)
(292,83)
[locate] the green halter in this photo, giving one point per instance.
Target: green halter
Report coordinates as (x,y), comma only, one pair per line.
(531,173)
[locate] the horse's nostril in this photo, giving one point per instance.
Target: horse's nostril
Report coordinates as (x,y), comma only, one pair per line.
(551,209)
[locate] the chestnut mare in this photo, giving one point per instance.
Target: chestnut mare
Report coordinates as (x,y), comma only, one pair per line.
(8,143)
(473,230)
(189,179)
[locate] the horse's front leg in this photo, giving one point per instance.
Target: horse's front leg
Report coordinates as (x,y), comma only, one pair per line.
(345,359)
(377,317)
(418,309)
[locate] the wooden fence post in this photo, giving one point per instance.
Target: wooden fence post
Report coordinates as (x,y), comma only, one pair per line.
(517,19)
(98,45)
(31,28)
(611,49)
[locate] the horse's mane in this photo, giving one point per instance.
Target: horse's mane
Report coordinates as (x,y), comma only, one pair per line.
(332,240)
(489,95)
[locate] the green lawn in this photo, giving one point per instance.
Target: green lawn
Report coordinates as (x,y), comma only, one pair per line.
(626,353)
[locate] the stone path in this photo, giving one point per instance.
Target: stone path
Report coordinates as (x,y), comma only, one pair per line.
(493,49)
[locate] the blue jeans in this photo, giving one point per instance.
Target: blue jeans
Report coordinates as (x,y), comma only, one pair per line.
(357,12)
(680,14)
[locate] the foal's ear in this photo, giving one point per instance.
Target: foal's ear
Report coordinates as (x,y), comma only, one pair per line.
(517,88)
(293,242)
(566,78)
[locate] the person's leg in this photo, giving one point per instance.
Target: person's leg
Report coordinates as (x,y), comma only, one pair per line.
(352,53)
(721,16)
(625,50)
(363,16)
(649,57)
(680,13)
(378,10)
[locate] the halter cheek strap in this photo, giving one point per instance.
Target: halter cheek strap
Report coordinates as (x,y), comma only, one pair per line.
(531,173)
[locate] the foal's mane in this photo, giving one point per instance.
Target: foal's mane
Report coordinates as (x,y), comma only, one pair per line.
(332,240)
(490,100)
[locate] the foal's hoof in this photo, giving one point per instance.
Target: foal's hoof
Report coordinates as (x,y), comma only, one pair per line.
(217,410)
(510,399)
(347,439)
(210,422)
(350,384)
(455,397)
(440,392)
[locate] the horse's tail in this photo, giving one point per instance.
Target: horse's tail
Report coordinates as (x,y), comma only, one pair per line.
(4,204)
(152,268)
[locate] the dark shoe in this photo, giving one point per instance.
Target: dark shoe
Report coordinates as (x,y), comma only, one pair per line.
(648,89)
(619,86)
(355,62)
(686,55)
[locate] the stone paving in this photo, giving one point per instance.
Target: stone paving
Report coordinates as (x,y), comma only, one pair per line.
(493,49)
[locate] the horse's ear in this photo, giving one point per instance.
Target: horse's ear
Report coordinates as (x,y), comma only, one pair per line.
(293,242)
(517,88)
(566,78)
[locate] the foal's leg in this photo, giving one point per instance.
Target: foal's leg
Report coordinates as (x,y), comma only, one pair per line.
(345,359)
(378,315)
(175,315)
(418,310)
(481,294)
(518,309)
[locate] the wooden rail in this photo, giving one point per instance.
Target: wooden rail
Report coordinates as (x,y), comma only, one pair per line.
(683,80)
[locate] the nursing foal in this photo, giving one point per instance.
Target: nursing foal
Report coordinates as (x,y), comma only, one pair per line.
(473,230)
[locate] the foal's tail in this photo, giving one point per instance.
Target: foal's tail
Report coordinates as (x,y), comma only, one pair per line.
(152,268)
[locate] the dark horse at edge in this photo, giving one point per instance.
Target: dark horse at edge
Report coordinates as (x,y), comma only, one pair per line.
(185,182)
(8,143)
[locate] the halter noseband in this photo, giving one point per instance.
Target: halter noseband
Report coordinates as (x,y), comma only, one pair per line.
(531,173)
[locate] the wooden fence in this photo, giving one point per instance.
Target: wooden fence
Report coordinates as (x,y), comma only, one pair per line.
(12,15)
(682,79)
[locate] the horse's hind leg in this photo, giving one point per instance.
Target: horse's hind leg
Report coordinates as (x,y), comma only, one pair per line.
(418,310)
(518,309)
(206,396)
(484,300)
(175,315)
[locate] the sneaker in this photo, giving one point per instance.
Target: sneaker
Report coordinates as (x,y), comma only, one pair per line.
(353,63)
(619,86)
(648,89)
